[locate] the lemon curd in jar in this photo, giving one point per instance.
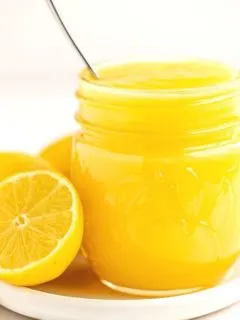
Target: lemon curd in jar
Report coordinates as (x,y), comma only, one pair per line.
(157,165)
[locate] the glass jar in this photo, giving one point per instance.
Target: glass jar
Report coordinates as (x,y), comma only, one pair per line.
(158,172)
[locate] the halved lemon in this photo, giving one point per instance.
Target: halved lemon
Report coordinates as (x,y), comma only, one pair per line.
(15,162)
(41,227)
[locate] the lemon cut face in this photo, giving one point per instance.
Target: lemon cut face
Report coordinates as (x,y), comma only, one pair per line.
(41,227)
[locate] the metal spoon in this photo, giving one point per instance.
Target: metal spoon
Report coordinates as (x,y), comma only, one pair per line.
(61,23)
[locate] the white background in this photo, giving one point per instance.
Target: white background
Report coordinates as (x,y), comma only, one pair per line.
(38,68)
(32,44)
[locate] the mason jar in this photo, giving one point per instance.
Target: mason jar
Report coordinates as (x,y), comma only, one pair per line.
(158,173)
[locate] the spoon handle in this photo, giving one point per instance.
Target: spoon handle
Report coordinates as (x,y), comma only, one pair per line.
(61,23)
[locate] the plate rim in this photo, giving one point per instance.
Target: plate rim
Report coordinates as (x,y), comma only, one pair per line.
(49,306)
(234,283)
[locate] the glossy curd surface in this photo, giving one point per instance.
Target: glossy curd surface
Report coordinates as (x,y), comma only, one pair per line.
(157,166)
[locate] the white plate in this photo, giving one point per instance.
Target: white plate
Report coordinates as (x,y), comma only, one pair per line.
(78,295)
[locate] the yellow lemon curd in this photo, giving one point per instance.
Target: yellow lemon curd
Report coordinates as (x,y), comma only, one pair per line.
(157,165)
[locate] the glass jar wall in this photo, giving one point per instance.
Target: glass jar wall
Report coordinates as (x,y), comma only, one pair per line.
(157,166)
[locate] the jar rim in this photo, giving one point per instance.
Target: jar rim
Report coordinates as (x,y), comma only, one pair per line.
(106,110)
(103,88)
